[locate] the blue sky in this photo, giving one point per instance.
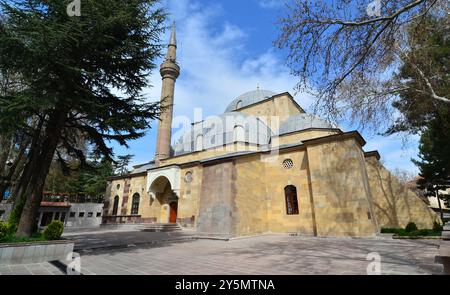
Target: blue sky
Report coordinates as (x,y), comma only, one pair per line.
(225,48)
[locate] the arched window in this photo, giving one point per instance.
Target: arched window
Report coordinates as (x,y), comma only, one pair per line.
(135,204)
(115,205)
(239,134)
(199,143)
(239,104)
(290,193)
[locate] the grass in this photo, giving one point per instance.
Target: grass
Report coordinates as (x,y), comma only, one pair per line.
(13,239)
(416,233)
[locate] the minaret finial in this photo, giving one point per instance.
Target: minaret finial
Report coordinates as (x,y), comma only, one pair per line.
(173,36)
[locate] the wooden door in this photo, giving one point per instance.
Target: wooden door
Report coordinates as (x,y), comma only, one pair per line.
(173,212)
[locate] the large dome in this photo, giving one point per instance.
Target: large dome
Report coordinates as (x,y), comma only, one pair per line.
(217,131)
(303,121)
(249,98)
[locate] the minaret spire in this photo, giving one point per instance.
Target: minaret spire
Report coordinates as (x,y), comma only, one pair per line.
(173,35)
(169,71)
(172,47)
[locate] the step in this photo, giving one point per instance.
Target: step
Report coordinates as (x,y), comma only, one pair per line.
(161,227)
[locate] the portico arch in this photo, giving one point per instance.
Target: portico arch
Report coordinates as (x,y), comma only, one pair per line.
(163,187)
(163,193)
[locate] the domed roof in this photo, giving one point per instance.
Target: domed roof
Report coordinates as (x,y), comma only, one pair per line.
(217,131)
(249,98)
(303,121)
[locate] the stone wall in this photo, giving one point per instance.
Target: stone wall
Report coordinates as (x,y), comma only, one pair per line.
(395,205)
(277,177)
(189,196)
(274,111)
(251,196)
(297,137)
(340,189)
(217,211)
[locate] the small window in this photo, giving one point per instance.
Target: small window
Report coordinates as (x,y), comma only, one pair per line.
(290,193)
(90,214)
(188,177)
(99,214)
(81,214)
(239,104)
(288,164)
(72,214)
(118,186)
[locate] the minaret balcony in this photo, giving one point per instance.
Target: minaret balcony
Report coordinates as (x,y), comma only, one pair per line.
(169,69)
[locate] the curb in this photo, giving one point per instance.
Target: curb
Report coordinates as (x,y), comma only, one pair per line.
(417,237)
(125,246)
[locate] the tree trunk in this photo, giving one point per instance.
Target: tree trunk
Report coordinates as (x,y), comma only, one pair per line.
(7,181)
(18,193)
(41,161)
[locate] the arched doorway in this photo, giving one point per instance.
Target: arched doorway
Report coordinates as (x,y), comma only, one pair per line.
(166,199)
(173,212)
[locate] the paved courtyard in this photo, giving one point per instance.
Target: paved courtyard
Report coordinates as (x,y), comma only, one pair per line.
(269,254)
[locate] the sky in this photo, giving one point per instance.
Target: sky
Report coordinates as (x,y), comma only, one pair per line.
(225,48)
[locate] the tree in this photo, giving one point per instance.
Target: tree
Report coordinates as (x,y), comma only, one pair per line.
(90,180)
(348,57)
(434,163)
(13,143)
(83,75)
(122,163)
(429,52)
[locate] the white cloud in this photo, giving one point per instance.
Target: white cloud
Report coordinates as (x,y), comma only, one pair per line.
(270,4)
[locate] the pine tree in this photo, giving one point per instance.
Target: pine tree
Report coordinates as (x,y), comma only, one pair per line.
(82,75)
(434,163)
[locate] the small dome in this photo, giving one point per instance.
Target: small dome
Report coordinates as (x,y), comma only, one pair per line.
(249,98)
(217,131)
(303,121)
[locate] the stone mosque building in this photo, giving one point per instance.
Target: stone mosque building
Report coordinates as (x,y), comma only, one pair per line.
(264,165)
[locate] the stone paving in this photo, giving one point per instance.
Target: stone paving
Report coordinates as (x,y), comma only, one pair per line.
(30,269)
(271,254)
(268,254)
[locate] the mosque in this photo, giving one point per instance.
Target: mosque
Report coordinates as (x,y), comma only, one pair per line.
(263,166)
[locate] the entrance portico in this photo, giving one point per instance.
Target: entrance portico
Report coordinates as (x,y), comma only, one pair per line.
(164,187)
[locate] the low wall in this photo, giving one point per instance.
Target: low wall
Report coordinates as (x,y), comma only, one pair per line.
(25,253)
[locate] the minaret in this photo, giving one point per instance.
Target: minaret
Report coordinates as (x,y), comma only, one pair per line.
(169,72)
